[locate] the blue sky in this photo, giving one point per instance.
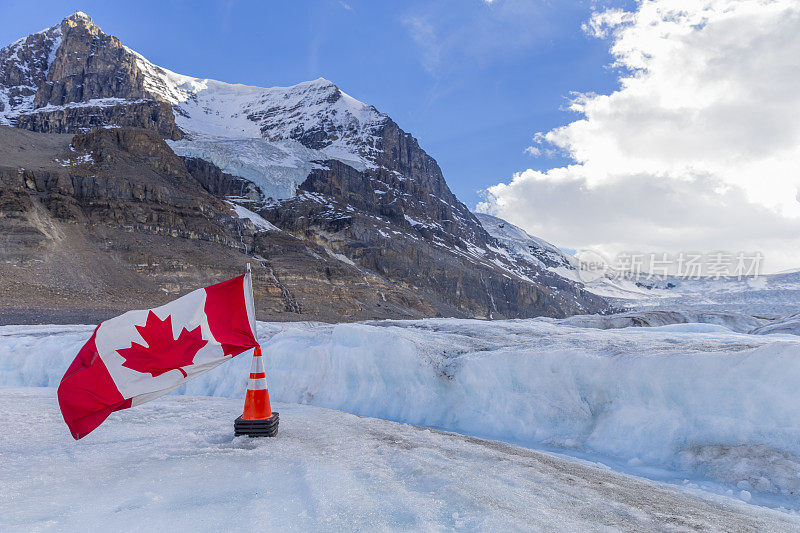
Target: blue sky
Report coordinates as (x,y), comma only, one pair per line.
(473,81)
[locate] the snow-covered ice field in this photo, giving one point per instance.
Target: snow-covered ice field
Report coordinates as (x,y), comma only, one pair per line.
(696,404)
(173,464)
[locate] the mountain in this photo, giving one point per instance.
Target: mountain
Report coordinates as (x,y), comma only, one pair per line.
(274,173)
(531,250)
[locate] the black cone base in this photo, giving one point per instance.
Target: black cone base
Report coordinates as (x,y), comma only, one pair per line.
(257,428)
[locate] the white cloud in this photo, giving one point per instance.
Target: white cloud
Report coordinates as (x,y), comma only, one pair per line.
(533,150)
(698,148)
(642,213)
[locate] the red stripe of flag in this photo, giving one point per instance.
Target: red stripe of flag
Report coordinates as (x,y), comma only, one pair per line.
(87,394)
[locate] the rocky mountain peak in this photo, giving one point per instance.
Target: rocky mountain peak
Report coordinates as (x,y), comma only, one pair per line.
(72,77)
(79,17)
(89,64)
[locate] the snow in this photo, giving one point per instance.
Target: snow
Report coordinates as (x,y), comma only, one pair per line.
(79,15)
(340,257)
(767,295)
(770,296)
(258,221)
(213,108)
(56,37)
(253,132)
(641,398)
(276,168)
(247,131)
(412,221)
(173,464)
(527,247)
(75,160)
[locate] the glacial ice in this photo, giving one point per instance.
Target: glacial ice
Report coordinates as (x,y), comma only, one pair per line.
(689,398)
(174,465)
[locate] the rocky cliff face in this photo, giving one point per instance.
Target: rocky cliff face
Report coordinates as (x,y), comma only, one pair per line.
(337,208)
(89,64)
(157,116)
(329,170)
(217,182)
(73,77)
(98,223)
(23,69)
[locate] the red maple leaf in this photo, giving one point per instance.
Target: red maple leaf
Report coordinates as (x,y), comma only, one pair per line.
(162,353)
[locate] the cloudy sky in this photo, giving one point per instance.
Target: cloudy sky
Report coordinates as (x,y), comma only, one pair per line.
(614,125)
(698,148)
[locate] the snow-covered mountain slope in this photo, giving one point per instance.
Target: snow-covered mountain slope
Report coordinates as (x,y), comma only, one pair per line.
(23,68)
(529,248)
(686,400)
(525,250)
(271,135)
(316,114)
(174,464)
(769,296)
(315,111)
(267,133)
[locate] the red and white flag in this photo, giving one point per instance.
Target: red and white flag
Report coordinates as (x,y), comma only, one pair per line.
(141,355)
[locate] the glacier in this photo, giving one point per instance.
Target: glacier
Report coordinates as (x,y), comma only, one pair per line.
(174,465)
(251,132)
(695,401)
(277,169)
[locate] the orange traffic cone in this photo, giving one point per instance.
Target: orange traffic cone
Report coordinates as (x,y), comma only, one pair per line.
(258,420)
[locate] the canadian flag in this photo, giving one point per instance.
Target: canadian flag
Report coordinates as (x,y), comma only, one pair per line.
(141,355)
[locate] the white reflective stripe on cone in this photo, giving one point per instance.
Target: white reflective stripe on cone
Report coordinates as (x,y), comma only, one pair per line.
(257,366)
(257,384)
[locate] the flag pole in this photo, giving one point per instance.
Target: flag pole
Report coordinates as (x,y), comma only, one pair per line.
(251,303)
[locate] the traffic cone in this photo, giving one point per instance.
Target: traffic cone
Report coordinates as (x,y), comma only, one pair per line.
(258,420)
